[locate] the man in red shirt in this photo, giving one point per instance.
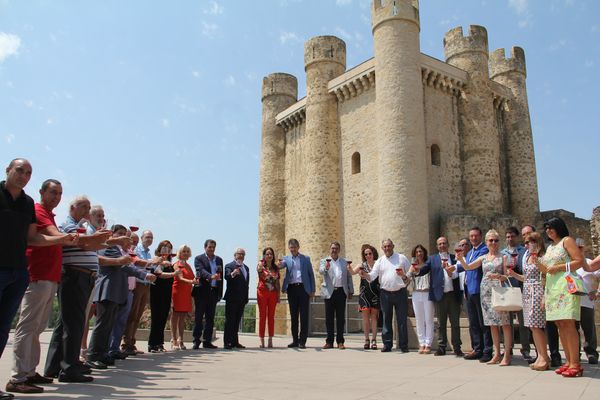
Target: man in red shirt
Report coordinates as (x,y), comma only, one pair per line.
(44,265)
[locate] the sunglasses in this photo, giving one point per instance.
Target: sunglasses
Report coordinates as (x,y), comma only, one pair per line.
(493,240)
(368,254)
(527,242)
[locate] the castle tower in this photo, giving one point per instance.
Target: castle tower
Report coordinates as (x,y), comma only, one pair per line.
(477,124)
(279,91)
(400,124)
(511,72)
(324,59)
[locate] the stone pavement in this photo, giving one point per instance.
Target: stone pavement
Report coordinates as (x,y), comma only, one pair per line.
(313,373)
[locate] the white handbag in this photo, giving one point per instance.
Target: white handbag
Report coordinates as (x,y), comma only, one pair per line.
(507,298)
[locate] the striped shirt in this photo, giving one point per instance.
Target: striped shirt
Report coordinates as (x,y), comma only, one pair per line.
(74,256)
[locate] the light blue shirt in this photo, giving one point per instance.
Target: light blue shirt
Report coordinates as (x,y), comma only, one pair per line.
(143,254)
(296,271)
(213,268)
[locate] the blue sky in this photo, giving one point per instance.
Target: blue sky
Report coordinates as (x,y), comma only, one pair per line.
(153,109)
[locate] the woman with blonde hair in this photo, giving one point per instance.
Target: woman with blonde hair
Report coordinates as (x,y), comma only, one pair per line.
(181,296)
(494,268)
(563,308)
(534,314)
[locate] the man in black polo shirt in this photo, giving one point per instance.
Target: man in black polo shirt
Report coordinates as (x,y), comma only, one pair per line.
(17,230)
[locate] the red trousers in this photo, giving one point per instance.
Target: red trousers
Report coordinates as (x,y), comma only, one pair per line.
(267,301)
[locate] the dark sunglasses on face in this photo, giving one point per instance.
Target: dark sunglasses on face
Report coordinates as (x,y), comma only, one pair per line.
(493,240)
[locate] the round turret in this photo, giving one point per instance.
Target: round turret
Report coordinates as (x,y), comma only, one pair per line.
(280,83)
(469,53)
(500,65)
(328,49)
(385,10)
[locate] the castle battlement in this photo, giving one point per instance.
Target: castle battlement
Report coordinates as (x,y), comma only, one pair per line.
(324,49)
(456,43)
(385,10)
(500,64)
(280,83)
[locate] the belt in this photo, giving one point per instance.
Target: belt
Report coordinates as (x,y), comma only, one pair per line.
(339,287)
(93,274)
(296,284)
(394,291)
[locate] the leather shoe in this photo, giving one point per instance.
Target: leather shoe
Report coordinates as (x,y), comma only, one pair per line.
(440,352)
(292,345)
(459,353)
(41,380)
(327,346)
(239,346)
(485,358)
(119,355)
(74,378)
(196,346)
(23,387)
(228,347)
(386,349)
(209,345)
(404,350)
(472,356)
(93,365)
(301,345)
(341,346)
(108,361)
(555,362)
(526,356)
(593,359)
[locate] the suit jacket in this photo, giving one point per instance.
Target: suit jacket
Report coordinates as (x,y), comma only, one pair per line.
(437,281)
(308,276)
(327,285)
(237,287)
(112,282)
(203,272)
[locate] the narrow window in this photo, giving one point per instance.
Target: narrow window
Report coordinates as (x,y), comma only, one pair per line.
(356,163)
(435,155)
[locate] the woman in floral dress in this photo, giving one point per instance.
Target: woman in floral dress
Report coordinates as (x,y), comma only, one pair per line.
(494,266)
(534,314)
(562,307)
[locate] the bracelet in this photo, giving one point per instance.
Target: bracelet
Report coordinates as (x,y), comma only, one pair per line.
(568,266)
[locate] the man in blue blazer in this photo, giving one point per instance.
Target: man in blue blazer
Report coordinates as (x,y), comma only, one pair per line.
(299,284)
(237,275)
(337,286)
(208,292)
(446,293)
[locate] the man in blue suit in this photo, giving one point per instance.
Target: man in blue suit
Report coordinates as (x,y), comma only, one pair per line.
(299,284)
(446,293)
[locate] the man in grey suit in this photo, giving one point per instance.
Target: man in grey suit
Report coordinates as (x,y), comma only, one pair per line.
(336,287)
(299,284)
(110,295)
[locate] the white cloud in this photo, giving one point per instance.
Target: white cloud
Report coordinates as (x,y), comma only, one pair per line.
(558,45)
(209,29)
(28,103)
(9,138)
(524,23)
(342,2)
(289,37)
(195,73)
(343,33)
(9,45)
(589,64)
(165,122)
(214,8)
(48,148)
(229,81)
(520,6)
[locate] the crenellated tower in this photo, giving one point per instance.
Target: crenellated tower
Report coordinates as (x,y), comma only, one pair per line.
(279,91)
(523,191)
(477,122)
(324,60)
(400,124)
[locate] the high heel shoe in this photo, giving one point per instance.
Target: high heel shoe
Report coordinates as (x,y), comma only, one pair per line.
(573,372)
(494,360)
(562,369)
(262,343)
(270,343)
(367,345)
(373,344)
(543,367)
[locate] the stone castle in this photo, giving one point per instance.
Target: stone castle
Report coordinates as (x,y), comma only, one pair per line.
(403,145)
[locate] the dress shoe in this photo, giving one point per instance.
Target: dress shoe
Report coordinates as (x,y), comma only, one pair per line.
(93,365)
(327,346)
(386,349)
(485,358)
(23,387)
(129,352)
(555,361)
(39,380)
(459,353)
(341,346)
(74,378)
(301,345)
(209,345)
(118,355)
(593,359)
(196,346)
(405,350)
(109,361)
(440,352)
(472,356)
(239,346)
(532,360)
(292,345)
(228,347)
(526,355)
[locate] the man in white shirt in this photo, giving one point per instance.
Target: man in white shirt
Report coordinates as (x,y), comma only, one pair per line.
(391,269)
(337,286)
(587,323)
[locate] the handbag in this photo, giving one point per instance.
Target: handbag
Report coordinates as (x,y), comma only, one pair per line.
(507,298)
(575,284)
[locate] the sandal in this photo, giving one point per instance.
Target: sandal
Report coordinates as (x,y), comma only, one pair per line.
(573,372)
(373,344)
(562,369)
(367,345)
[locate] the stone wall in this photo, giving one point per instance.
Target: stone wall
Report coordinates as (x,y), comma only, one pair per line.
(595,231)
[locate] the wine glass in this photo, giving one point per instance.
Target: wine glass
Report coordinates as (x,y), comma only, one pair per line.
(458,249)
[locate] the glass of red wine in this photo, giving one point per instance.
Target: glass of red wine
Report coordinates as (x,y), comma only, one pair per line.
(458,249)
(219,272)
(134,228)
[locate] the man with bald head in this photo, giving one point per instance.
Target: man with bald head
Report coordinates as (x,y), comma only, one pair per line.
(18,229)
(237,275)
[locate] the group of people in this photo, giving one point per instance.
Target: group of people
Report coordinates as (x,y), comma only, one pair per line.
(110,272)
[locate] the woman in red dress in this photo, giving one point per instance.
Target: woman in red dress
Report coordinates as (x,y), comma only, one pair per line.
(267,294)
(181,296)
